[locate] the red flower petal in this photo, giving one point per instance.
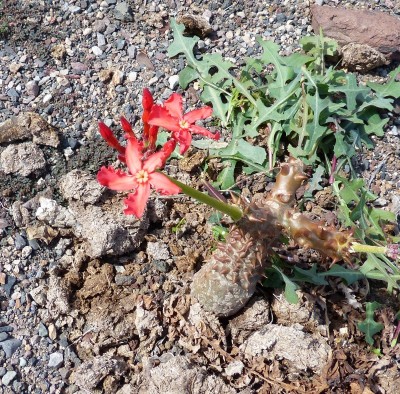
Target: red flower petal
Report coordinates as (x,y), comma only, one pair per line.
(174,105)
(134,155)
(197,114)
(110,138)
(126,126)
(116,179)
(158,159)
(203,131)
(147,100)
(161,117)
(136,203)
(153,132)
(184,139)
(162,184)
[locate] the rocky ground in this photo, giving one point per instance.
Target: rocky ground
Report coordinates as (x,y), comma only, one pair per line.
(93,301)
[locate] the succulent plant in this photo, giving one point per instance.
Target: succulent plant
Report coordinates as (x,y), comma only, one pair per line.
(229,278)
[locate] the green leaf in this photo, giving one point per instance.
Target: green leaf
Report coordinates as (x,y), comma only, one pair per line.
(314,182)
(255,153)
(290,288)
(390,88)
(187,75)
(350,276)
(270,55)
(182,44)
(226,177)
(223,67)
(341,147)
(213,96)
(353,92)
(369,326)
(310,276)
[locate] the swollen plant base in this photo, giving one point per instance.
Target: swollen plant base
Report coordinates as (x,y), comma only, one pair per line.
(229,278)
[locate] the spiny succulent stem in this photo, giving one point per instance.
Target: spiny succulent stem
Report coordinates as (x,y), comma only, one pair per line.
(231,210)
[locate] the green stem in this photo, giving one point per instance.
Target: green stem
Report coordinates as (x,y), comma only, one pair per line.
(231,210)
(361,248)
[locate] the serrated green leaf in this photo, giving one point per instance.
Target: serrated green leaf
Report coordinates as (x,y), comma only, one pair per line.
(226,179)
(390,88)
(220,108)
(256,154)
(223,67)
(182,44)
(369,326)
(350,276)
(270,55)
(341,147)
(353,92)
(314,182)
(310,276)
(290,288)
(187,75)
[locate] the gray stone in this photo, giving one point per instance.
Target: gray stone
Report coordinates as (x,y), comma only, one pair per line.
(22,362)
(82,186)
(3,336)
(132,50)
(32,88)
(56,359)
(3,371)
(42,330)
(8,377)
(124,280)
(6,328)
(10,346)
(109,231)
(54,214)
(19,242)
(97,51)
(101,40)
(23,159)
(9,285)
(123,12)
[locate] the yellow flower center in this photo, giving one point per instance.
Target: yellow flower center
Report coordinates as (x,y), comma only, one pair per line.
(142,176)
(184,124)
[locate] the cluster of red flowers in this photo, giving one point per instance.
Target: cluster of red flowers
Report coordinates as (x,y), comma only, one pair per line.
(141,156)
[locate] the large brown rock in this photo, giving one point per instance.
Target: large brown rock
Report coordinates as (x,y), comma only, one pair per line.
(373,28)
(29,126)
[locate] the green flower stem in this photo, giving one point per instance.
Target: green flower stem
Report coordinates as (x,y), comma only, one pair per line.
(231,210)
(361,248)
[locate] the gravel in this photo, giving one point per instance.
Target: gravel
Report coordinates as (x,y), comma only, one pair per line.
(51,64)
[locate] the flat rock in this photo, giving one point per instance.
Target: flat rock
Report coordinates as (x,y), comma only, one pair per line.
(178,375)
(10,346)
(56,359)
(106,229)
(361,57)
(376,29)
(23,159)
(54,214)
(8,377)
(80,185)
(299,350)
(91,372)
(28,125)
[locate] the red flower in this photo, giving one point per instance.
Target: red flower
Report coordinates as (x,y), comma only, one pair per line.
(111,140)
(142,175)
(149,132)
(171,117)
